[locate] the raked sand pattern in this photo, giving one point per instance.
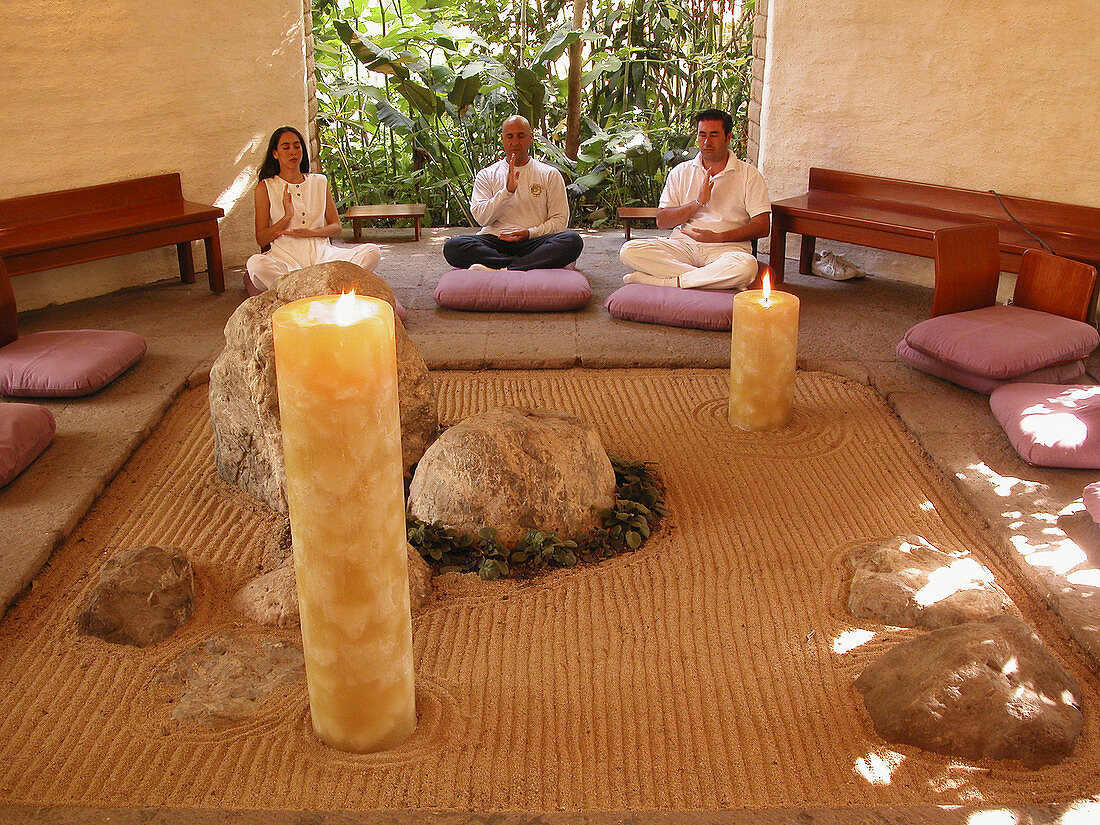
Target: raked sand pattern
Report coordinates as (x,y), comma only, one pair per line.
(712,669)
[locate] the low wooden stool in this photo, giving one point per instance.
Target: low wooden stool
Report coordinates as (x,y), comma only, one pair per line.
(629,214)
(358,214)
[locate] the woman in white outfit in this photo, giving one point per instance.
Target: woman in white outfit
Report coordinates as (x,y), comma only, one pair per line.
(296,215)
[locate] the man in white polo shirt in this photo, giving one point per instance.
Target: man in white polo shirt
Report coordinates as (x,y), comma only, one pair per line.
(718,205)
(523,211)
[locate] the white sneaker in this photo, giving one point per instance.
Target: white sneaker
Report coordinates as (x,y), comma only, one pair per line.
(483,267)
(835,268)
(652,280)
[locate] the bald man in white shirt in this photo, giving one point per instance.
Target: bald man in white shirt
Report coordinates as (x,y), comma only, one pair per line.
(718,204)
(523,211)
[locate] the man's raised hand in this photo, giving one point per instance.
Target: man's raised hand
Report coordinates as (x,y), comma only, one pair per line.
(512,182)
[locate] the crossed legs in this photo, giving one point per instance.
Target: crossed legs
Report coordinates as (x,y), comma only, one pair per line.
(688,264)
(553,251)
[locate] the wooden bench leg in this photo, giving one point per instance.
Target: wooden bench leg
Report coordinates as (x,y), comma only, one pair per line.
(356,228)
(777,253)
(806,254)
(187,262)
(626,227)
(416,228)
(214,262)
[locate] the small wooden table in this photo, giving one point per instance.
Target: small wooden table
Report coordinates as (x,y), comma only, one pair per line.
(358,214)
(629,214)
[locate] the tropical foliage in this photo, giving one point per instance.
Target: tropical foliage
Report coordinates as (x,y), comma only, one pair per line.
(412,93)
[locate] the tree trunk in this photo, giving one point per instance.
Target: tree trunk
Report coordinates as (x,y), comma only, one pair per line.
(573,96)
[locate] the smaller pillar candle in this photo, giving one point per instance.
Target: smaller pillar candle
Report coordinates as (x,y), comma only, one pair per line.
(337,371)
(762,359)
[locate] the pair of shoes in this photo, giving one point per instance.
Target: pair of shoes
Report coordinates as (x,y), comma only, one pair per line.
(835,268)
(652,280)
(484,268)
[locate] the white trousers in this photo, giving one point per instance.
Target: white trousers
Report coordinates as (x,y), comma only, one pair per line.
(264,270)
(711,265)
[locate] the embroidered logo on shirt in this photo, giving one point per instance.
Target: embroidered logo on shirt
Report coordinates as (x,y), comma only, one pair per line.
(536,189)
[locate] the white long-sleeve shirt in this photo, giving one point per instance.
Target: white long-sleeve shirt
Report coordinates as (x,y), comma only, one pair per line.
(538,205)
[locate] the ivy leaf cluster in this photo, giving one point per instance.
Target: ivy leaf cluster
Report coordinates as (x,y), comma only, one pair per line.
(639,506)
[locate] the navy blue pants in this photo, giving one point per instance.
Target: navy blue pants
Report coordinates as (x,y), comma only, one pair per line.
(544,252)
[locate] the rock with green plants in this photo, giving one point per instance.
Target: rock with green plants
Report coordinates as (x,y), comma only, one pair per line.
(625,526)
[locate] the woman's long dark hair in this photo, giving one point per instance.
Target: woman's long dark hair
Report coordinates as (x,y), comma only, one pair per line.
(270,167)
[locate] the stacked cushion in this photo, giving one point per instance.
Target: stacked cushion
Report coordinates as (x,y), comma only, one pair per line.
(672,306)
(507,290)
(67,363)
(1051,425)
(984,348)
(25,431)
(1091,499)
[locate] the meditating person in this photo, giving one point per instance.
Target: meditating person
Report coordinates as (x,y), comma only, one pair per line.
(718,204)
(296,215)
(523,211)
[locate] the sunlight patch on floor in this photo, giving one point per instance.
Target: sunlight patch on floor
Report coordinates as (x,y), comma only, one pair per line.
(878,767)
(851,639)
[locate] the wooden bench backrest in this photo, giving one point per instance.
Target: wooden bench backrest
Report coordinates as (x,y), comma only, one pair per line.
(1051,283)
(127,194)
(1083,219)
(968,268)
(9,316)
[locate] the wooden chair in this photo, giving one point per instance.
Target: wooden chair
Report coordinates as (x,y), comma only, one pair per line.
(1041,337)
(968,271)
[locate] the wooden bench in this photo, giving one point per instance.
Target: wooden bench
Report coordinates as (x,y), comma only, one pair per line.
(359,214)
(901,215)
(629,214)
(72,226)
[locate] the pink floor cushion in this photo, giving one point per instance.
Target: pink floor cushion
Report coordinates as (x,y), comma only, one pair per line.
(67,363)
(1002,342)
(1091,499)
(1058,374)
(25,431)
(508,290)
(672,306)
(251,287)
(1051,425)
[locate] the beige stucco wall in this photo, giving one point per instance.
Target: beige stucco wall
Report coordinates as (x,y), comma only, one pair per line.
(103,91)
(985,95)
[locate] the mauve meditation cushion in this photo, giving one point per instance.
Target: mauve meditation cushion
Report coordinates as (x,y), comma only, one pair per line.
(1058,374)
(507,290)
(1051,425)
(1091,499)
(25,431)
(1002,342)
(67,363)
(672,306)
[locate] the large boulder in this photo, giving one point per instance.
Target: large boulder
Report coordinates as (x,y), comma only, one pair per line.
(976,690)
(907,582)
(515,470)
(272,598)
(244,401)
(143,596)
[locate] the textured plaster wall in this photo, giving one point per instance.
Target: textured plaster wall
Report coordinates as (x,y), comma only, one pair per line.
(103,91)
(967,93)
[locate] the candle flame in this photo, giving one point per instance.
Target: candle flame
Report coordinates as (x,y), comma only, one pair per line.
(767,287)
(345,312)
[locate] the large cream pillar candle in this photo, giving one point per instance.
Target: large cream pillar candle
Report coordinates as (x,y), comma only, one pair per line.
(762,359)
(337,373)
